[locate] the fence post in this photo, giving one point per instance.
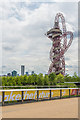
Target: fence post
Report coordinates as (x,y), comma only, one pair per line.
(69,92)
(60,93)
(37,95)
(3,98)
(22,96)
(50,94)
(77,92)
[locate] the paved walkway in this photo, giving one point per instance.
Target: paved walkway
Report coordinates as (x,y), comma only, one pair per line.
(61,108)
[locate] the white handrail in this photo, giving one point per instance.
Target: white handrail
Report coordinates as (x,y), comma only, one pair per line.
(36,89)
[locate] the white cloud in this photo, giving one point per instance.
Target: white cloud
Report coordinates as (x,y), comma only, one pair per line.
(24,27)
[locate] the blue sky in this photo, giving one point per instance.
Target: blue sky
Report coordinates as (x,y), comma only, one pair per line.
(23,41)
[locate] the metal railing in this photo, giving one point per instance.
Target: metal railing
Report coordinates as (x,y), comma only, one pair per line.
(35,86)
(37,94)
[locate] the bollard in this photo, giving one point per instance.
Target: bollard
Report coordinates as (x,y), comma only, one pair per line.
(3,98)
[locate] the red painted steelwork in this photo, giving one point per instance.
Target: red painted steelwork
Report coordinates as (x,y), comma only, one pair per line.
(59,46)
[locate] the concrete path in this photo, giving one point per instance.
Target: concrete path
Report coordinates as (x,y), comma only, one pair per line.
(61,108)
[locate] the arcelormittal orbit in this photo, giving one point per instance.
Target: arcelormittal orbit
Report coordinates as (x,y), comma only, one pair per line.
(60,45)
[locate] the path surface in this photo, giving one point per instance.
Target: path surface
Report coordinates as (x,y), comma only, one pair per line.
(62,108)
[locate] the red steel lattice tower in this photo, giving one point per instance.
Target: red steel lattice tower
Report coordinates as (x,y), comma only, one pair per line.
(60,45)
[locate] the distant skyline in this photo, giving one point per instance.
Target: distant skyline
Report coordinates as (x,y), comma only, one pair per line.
(24,25)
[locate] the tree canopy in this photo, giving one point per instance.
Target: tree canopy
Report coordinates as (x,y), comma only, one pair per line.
(39,80)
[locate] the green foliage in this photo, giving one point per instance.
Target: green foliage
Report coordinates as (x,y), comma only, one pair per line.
(52,76)
(24,79)
(34,79)
(67,85)
(75,78)
(59,78)
(29,80)
(40,80)
(67,78)
(46,80)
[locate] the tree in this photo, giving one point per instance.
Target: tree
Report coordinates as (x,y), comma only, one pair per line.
(13,81)
(4,81)
(40,79)
(52,76)
(29,81)
(74,77)
(9,80)
(18,80)
(34,78)
(46,80)
(67,78)
(59,78)
(24,79)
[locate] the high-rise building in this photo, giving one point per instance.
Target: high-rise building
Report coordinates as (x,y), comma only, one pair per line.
(8,74)
(27,73)
(14,73)
(32,73)
(22,69)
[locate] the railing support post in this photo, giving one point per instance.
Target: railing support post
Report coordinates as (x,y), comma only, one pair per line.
(69,93)
(37,95)
(77,92)
(50,94)
(22,96)
(3,98)
(60,94)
